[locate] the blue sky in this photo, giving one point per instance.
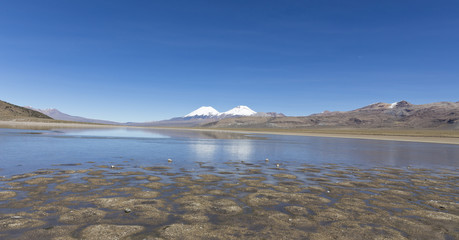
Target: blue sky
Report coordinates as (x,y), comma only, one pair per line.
(152,60)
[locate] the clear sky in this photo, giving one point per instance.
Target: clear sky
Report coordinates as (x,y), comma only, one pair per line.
(151,60)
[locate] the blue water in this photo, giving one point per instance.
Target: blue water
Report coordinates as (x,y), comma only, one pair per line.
(24,151)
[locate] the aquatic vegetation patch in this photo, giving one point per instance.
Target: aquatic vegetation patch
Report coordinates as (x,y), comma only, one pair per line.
(258,201)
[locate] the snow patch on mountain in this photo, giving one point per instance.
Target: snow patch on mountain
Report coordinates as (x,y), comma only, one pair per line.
(204,111)
(393,105)
(240,111)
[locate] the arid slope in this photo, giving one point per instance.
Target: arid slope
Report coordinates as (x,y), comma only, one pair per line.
(9,112)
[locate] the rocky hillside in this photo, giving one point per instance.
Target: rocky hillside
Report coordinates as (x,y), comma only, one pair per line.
(10,112)
(379,115)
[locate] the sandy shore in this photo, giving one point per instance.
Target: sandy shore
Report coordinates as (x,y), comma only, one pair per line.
(429,137)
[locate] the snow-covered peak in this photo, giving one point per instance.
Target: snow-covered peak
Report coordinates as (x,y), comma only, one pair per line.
(203,111)
(240,111)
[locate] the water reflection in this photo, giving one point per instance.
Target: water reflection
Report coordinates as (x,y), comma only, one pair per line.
(232,150)
(241,150)
(117,132)
(204,150)
(22,150)
(224,146)
(112,133)
(201,134)
(369,152)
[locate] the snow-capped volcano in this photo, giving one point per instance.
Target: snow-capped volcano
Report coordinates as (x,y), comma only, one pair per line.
(210,112)
(203,112)
(239,111)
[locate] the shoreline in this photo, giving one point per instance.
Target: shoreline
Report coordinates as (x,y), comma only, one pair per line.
(426,139)
(351,133)
(50,125)
(422,139)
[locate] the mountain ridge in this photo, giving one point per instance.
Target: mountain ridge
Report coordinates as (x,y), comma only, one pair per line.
(401,114)
(58,115)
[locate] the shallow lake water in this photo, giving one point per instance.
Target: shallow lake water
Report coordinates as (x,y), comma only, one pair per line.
(27,150)
(118,184)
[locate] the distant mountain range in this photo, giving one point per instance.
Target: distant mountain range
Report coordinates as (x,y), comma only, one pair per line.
(58,115)
(401,114)
(239,111)
(206,114)
(378,115)
(195,118)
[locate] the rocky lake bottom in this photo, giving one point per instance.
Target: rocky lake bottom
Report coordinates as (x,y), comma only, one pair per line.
(241,200)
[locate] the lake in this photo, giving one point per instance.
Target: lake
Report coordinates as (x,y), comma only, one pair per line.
(118,183)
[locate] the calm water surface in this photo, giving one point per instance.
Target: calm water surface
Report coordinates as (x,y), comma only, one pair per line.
(29,150)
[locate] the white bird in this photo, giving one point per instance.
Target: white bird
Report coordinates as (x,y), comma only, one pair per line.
(169,160)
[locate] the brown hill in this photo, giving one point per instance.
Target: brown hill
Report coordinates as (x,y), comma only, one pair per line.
(10,112)
(443,115)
